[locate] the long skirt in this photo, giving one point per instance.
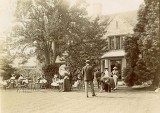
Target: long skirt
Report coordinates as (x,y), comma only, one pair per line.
(115,78)
(67,85)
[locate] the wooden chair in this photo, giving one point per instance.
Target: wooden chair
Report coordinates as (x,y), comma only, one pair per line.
(21,86)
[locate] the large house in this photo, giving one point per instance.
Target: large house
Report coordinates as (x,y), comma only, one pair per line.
(122,24)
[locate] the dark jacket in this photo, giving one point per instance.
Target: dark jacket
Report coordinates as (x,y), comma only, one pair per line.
(87,73)
(109,81)
(98,75)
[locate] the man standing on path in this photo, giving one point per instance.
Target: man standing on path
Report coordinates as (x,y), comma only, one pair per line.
(87,73)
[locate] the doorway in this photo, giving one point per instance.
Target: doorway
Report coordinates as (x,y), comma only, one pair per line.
(118,64)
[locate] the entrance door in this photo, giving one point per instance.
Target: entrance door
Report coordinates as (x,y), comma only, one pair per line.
(118,64)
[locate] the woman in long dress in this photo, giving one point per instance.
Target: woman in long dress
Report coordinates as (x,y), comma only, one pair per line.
(64,73)
(115,76)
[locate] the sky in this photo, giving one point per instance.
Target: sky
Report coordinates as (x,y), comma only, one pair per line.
(115,6)
(6,16)
(108,7)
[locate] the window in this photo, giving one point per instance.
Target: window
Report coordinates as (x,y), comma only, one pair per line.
(111,42)
(117,42)
(122,42)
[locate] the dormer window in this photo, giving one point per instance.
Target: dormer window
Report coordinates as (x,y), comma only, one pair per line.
(117,42)
(111,39)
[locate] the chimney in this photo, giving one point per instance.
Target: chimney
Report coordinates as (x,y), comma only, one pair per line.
(97,9)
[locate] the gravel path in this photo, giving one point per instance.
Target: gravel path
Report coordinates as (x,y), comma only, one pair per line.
(124,100)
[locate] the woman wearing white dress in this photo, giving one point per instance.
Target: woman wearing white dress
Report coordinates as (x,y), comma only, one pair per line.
(64,73)
(115,76)
(55,81)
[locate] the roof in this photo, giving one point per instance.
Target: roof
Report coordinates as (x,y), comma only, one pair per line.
(121,23)
(114,53)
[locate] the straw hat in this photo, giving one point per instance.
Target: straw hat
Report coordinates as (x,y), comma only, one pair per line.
(115,67)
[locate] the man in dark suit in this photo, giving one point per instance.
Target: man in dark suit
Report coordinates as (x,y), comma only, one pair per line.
(87,73)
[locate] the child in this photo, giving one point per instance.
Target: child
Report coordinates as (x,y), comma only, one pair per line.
(55,81)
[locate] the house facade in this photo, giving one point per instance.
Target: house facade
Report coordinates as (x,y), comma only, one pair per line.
(121,26)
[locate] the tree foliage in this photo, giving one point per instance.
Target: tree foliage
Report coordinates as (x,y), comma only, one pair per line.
(147,33)
(6,60)
(55,27)
(131,47)
(90,46)
(6,67)
(44,25)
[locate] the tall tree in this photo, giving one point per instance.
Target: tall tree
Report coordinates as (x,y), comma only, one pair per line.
(53,26)
(6,59)
(89,44)
(147,34)
(132,50)
(150,39)
(45,25)
(131,45)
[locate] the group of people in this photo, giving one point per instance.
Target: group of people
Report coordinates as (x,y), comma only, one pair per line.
(66,79)
(13,81)
(85,76)
(105,80)
(109,81)
(18,79)
(62,80)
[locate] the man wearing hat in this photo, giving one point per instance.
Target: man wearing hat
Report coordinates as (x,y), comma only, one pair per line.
(87,73)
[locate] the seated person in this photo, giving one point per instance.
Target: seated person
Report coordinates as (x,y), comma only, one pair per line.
(11,81)
(22,81)
(43,82)
(25,81)
(55,81)
(20,78)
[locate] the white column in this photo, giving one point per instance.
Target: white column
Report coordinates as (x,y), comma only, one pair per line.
(109,66)
(106,63)
(102,65)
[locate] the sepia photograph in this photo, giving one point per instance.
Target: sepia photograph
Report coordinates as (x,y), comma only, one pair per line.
(79,56)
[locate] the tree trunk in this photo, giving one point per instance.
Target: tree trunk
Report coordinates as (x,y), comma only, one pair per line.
(47,57)
(54,52)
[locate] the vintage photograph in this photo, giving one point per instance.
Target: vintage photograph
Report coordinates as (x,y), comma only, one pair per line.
(79,56)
